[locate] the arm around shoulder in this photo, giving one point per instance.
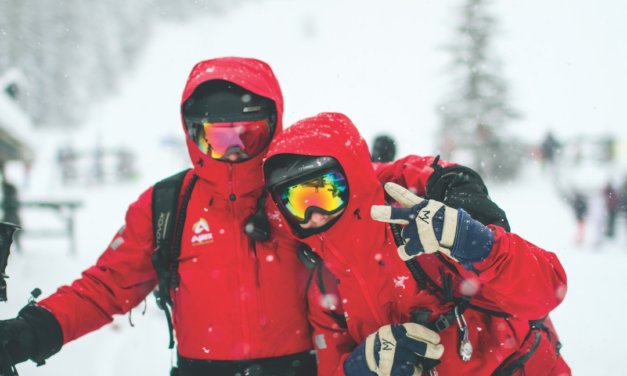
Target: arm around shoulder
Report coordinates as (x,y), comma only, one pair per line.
(522,278)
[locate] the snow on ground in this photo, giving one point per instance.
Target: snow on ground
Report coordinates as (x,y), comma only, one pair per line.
(381,81)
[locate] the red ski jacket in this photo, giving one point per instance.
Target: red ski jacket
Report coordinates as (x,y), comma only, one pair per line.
(371,286)
(236,300)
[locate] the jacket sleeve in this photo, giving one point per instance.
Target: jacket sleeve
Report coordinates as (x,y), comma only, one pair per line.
(519,277)
(412,172)
(454,185)
(121,278)
(331,340)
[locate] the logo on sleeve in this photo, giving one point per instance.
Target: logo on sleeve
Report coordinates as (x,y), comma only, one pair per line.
(202,233)
(400,281)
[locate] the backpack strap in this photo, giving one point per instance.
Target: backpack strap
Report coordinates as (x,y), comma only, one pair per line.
(308,257)
(337,316)
(315,266)
(165,197)
(445,292)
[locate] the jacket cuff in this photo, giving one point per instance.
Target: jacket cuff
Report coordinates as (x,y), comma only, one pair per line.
(496,252)
(48,333)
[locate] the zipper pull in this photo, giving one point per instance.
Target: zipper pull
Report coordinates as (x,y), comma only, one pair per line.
(465,347)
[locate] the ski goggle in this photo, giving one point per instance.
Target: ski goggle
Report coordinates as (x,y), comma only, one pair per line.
(246,138)
(326,193)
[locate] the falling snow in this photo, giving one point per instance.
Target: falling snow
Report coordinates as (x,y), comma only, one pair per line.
(595,271)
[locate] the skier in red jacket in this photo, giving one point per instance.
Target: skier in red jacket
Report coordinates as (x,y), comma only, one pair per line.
(475,298)
(238,304)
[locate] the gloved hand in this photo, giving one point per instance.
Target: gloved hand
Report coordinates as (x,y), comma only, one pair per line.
(462,187)
(395,350)
(434,227)
(34,334)
(17,343)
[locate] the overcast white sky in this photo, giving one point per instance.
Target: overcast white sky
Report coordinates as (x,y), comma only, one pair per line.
(383,63)
(567,60)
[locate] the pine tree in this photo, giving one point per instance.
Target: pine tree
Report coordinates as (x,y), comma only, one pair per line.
(475,114)
(73,52)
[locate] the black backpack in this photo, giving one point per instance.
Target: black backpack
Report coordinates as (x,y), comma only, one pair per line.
(165,196)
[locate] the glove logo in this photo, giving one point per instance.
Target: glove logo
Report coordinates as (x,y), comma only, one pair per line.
(424,215)
(387,345)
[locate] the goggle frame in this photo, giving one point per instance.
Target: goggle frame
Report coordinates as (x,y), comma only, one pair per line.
(280,189)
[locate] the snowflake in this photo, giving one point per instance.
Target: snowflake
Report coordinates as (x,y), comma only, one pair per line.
(275,215)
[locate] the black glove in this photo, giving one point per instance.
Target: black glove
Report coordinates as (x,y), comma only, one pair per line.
(17,341)
(34,334)
(462,187)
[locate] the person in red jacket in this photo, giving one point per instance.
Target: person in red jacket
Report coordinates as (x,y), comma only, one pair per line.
(238,304)
(463,298)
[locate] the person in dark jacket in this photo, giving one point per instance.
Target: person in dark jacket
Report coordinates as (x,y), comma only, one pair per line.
(383,149)
(465,304)
(612,206)
(579,203)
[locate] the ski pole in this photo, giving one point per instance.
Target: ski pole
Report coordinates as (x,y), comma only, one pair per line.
(6,239)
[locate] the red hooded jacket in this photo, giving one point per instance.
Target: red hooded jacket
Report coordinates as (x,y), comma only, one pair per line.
(236,300)
(372,286)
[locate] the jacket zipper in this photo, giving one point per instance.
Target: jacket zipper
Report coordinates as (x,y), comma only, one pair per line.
(241,275)
(363,286)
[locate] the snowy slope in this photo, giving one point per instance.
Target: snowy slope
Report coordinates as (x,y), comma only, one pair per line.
(377,64)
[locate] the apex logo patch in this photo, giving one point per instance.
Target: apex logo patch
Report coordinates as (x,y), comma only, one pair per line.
(202,233)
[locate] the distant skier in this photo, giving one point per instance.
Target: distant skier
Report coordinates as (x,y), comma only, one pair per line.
(383,149)
(579,203)
(596,218)
(550,148)
(612,205)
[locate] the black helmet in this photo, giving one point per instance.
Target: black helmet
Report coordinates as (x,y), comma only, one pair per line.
(219,100)
(283,168)
(225,119)
(383,149)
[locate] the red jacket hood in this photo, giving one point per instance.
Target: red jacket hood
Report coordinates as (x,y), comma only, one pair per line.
(333,134)
(251,74)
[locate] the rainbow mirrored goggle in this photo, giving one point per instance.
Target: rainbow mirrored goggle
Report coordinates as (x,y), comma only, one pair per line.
(247,138)
(326,193)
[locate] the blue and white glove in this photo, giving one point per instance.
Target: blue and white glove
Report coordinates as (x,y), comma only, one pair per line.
(395,350)
(432,227)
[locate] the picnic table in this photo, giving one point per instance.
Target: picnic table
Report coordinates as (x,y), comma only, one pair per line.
(65,209)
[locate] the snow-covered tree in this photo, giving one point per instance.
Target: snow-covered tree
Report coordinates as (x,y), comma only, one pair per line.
(74,51)
(475,113)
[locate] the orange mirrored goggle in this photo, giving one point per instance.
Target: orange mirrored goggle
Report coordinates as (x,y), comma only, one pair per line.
(326,193)
(246,138)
